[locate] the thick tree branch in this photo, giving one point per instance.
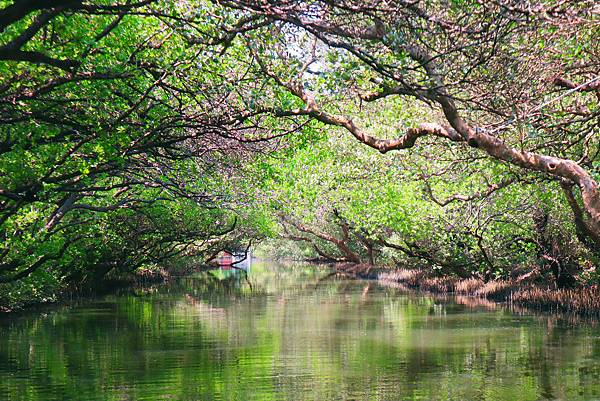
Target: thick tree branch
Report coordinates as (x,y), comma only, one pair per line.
(21,8)
(38,58)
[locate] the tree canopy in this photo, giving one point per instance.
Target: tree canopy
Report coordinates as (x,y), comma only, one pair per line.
(459,134)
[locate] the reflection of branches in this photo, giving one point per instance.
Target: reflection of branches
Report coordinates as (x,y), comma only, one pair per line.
(325,278)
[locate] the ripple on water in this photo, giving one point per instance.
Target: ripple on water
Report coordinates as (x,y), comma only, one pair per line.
(292,337)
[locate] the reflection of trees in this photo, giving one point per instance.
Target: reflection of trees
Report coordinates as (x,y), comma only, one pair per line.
(209,337)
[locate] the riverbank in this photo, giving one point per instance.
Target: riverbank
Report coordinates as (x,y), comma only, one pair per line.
(139,278)
(528,290)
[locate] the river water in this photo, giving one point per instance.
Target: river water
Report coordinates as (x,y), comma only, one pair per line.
(293,333)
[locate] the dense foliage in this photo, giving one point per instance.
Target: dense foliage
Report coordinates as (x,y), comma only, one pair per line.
(118,138)
(141,133)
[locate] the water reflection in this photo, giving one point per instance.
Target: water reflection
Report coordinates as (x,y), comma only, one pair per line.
(292,334)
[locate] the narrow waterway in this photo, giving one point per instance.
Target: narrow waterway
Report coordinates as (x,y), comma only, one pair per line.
(292,333)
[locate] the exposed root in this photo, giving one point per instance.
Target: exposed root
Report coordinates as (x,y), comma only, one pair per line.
(524,291)
(585,300)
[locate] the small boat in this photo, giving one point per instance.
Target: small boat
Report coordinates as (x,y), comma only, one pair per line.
(228,260)
(225,261)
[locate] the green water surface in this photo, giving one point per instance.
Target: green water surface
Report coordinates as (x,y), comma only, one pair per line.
(293,333)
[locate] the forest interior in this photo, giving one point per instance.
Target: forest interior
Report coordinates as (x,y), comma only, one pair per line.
(449,145)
